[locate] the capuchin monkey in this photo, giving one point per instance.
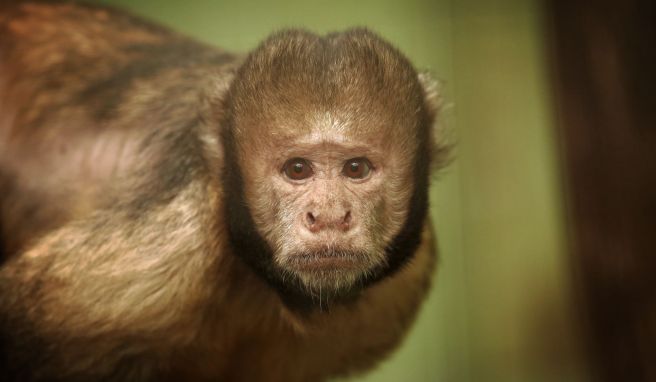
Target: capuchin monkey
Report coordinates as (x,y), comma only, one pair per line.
(171,211)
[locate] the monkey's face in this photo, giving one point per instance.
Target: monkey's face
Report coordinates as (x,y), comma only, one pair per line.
(328,202)
(327,139)
(328,189)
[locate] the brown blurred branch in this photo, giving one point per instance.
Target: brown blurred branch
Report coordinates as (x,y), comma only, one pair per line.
(605,70)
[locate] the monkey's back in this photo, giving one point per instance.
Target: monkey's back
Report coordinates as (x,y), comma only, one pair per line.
(87,96)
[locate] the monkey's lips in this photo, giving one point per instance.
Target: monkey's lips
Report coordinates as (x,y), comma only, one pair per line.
(330,271)
(327,261)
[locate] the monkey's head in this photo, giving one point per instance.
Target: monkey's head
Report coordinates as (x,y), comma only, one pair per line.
(328,150)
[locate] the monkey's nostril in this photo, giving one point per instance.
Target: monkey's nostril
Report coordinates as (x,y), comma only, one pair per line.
(310,218)
(347,218)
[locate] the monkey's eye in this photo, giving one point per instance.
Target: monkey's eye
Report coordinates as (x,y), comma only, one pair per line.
(297,169)
(357,168)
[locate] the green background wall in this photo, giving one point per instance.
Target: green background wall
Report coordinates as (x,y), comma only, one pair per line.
(500,309)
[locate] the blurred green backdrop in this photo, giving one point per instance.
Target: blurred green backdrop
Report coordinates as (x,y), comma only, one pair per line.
(500,308)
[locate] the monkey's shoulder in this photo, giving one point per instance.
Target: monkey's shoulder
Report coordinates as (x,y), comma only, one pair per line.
(92,96)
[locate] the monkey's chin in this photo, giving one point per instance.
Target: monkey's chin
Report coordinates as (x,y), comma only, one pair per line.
(330,272)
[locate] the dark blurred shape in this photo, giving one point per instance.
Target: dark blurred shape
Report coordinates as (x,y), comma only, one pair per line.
(605,65)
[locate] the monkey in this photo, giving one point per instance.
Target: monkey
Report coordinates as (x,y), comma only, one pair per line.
(173,211)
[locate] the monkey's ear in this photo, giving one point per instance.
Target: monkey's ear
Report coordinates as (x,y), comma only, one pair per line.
(432,94)
(434,103)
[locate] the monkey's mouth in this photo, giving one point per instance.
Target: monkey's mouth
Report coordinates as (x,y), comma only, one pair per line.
(329,272)
(327,260)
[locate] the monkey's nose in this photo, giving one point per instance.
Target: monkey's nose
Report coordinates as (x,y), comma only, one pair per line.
(316,222)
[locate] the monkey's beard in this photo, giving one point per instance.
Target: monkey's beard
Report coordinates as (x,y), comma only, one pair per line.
(330,273)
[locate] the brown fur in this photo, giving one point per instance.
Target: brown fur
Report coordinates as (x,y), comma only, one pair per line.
(119,263)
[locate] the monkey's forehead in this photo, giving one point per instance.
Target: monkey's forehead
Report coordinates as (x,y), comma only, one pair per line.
(326,133)
(350,130)
(356,110)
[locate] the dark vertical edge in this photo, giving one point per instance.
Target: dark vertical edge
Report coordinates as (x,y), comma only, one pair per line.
(603,57)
